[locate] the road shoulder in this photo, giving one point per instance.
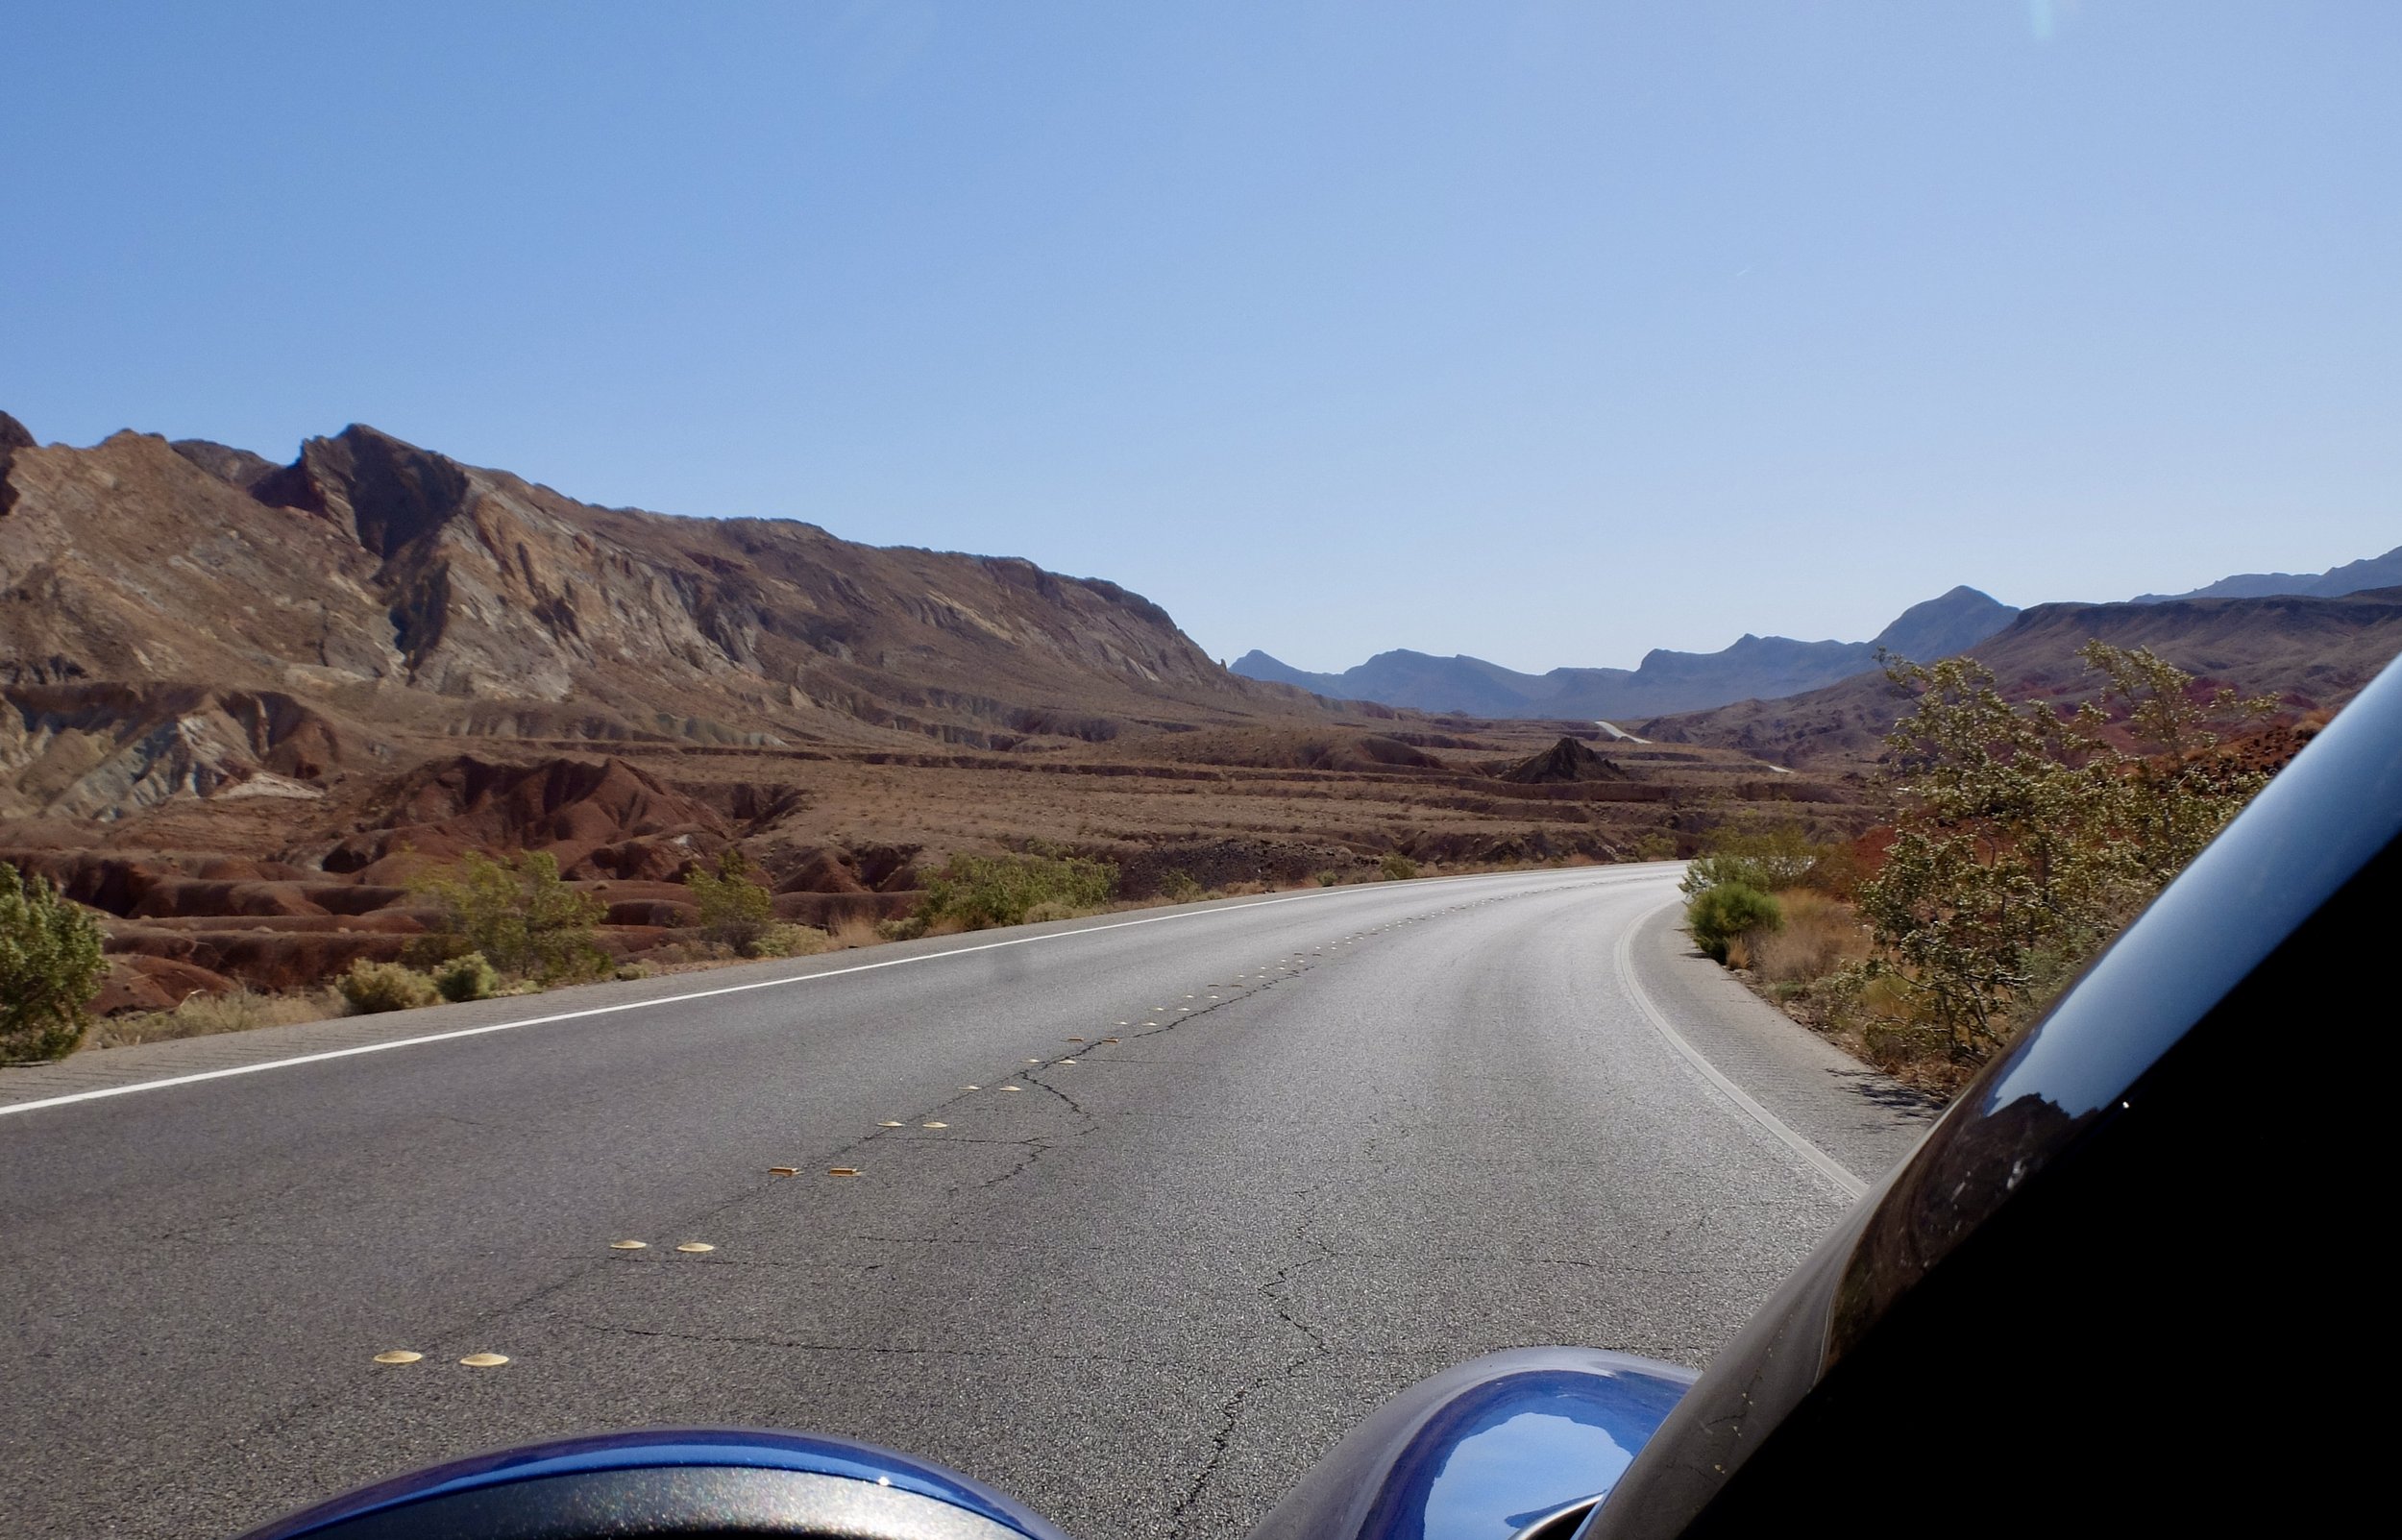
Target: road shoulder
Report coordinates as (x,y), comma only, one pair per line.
(1866,1121)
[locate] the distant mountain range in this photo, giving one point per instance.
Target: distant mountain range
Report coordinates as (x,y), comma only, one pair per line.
(2352,577)
(1754,668)
(2312,652)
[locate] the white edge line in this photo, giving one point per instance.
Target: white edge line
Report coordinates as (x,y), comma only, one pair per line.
(1826,1164)
(265,1065)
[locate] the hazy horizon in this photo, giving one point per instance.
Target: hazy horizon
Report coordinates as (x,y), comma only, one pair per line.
(1543,333)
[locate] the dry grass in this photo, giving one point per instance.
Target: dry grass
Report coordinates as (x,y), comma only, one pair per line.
(204,1016)
(1818,936)
(858,930)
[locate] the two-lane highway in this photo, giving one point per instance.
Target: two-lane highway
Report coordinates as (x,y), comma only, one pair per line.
(1146,1211)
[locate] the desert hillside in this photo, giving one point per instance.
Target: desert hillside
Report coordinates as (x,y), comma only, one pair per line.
(246,706)
(2312,653)
(372,592)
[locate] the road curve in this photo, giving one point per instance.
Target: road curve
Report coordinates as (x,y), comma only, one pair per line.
(1342,1139)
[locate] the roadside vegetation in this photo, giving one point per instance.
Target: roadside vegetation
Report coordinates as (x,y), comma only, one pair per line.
(50,968)
(976,892)
(504,925)
(735,917)
(2023,838)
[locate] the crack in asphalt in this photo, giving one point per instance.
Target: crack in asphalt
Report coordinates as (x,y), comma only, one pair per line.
(1035,1147)
(1230,1415)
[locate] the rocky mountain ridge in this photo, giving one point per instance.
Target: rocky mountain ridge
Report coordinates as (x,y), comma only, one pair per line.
(172,614)
(2351,577)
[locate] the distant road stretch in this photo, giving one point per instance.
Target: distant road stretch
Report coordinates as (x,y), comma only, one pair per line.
(1146,1212)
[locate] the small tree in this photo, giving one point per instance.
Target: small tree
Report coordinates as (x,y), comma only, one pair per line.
(520,915)
(734,910)
(1396,867)
(50,968)
(2026,836)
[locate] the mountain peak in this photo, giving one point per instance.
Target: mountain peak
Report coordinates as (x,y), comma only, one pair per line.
(1946,625)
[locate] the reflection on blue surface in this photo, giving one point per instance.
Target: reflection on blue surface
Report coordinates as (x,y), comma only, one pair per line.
(1500,1480)
(813,1454)
(1513,1448)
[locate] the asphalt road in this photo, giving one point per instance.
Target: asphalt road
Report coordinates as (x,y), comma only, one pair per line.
(1341,1140)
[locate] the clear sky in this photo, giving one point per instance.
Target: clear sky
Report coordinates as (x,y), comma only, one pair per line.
(1548,332)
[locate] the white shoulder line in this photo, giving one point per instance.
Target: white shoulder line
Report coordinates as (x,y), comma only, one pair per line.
(1827,1165)
(695,995)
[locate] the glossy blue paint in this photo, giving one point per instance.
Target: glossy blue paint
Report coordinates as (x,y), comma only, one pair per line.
(668,1449)
(1480,1452)
(1516,1446)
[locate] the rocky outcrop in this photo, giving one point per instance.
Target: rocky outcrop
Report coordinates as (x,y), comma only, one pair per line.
(103,750)
(1566,762)
(598,819)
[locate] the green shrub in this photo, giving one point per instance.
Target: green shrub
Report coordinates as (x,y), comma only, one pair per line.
(50,968)
(519,914)
(787,941)
(1653,845)
(1724,911)
(979,892)
(2027,838)
(734,910)
(1772,858)
(1179,888)
(907,928)
(1329,879)
(1396,867)
(466,977)
(374,987)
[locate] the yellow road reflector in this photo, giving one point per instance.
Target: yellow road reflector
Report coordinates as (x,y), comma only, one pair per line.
(888,1123)
(484,1360)
(1012,1087)
(1109,1039)
(629,1245)
(972,1088)
(399,1355)
(783,1170)
(934,1125)
(695,1245)
(841,1171)
(1033,1061)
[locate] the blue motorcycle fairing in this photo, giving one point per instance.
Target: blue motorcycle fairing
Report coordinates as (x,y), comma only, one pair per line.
(1484,1450)
(673,1448)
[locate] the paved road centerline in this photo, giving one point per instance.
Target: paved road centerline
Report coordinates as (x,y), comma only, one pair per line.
(104,1093)
(1337,1148)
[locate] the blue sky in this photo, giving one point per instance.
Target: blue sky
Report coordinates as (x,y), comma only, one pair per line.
(1547,332)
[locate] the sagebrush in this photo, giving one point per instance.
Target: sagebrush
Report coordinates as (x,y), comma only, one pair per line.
(370,988)
(977,892)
